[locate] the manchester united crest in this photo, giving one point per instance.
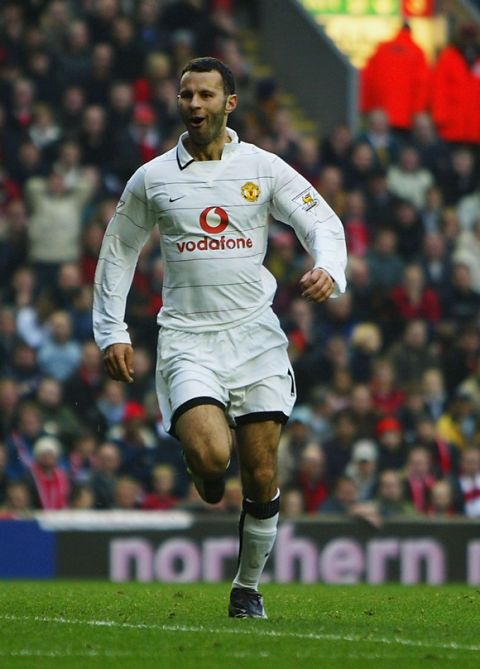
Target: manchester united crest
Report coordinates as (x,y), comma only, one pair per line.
(250,191)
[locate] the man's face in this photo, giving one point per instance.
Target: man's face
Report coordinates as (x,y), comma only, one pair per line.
(204,106)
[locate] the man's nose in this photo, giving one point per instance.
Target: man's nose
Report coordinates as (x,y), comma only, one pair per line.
(195,101)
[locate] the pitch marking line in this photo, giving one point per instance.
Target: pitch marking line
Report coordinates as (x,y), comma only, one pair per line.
(356,638)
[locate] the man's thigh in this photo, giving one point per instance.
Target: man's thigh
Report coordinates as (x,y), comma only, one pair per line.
(204,432)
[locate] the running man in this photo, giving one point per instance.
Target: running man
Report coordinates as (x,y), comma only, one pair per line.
(222,361)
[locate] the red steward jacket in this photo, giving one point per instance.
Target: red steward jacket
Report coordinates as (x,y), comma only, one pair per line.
(397,79)
(456,97)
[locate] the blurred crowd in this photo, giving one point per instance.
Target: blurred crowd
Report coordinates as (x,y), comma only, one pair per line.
(388,376)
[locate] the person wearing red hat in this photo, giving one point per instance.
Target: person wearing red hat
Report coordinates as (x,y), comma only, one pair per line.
(392,452)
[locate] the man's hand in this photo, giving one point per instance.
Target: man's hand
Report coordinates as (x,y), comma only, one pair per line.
(118,359)
(317,285)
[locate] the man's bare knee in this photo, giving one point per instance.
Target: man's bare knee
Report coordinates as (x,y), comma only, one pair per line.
(208,460)
(206,440)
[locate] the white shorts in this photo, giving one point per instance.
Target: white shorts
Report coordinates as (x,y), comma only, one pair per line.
(245,370)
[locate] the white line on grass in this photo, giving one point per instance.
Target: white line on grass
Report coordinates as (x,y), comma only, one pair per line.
(250,630)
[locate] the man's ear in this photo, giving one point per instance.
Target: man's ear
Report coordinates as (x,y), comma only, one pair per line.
(231,103)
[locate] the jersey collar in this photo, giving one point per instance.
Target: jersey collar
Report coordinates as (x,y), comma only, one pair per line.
(184,159)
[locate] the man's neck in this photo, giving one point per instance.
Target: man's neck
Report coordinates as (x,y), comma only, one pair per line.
(212,151)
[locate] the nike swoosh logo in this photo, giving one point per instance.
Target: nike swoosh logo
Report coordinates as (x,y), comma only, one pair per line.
(174,199)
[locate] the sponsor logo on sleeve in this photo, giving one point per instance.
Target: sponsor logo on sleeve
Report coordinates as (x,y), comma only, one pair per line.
(306,199)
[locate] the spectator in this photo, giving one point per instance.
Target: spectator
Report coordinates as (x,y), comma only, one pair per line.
(18,503)
(462,304)
(94,137)
(83,388)
(233,498)
(461,179)
(163,496)
(444,456)
(468,208)
(128,57)
(431,213)
(356,224)
(58,419)
(126,494)
(106,469)
(336,147)
(409,229)
(434,393)
(387,396)
(433,152)
(14,242)
(54,229)
(360,167)
(392,449)
(20,442)
(412,299)
(44,131)
(467,252)
(136,442)
(48,482)
(292,503)
(338,449)
(459,424)
(366,343)
(412,355)
(82,498)
(385,265)
(419,478)
(71,110)
(469,482)
(380,137)
(60,356)
(442,503)
(408,179)
(380,201)
(74,55)
(390,500)
(363,410)
(310,477)
(24,370)
(8,335)
(3,475)
(332,189)
(461,359)
(362,468)
(436,264)
(293,441)
(82,457)
(9,401)
(343,499)
(111,403)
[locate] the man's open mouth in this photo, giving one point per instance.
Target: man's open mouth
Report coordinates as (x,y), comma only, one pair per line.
(196,121)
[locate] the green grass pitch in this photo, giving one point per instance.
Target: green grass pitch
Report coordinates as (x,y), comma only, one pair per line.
(78,625)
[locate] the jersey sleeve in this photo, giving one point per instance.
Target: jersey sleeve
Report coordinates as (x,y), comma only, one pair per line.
(320,231)
(124,238)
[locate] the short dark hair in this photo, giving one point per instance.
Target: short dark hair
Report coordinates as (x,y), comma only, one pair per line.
(208,64)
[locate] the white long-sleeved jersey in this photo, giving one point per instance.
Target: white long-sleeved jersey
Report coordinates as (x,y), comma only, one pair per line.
(213,223)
